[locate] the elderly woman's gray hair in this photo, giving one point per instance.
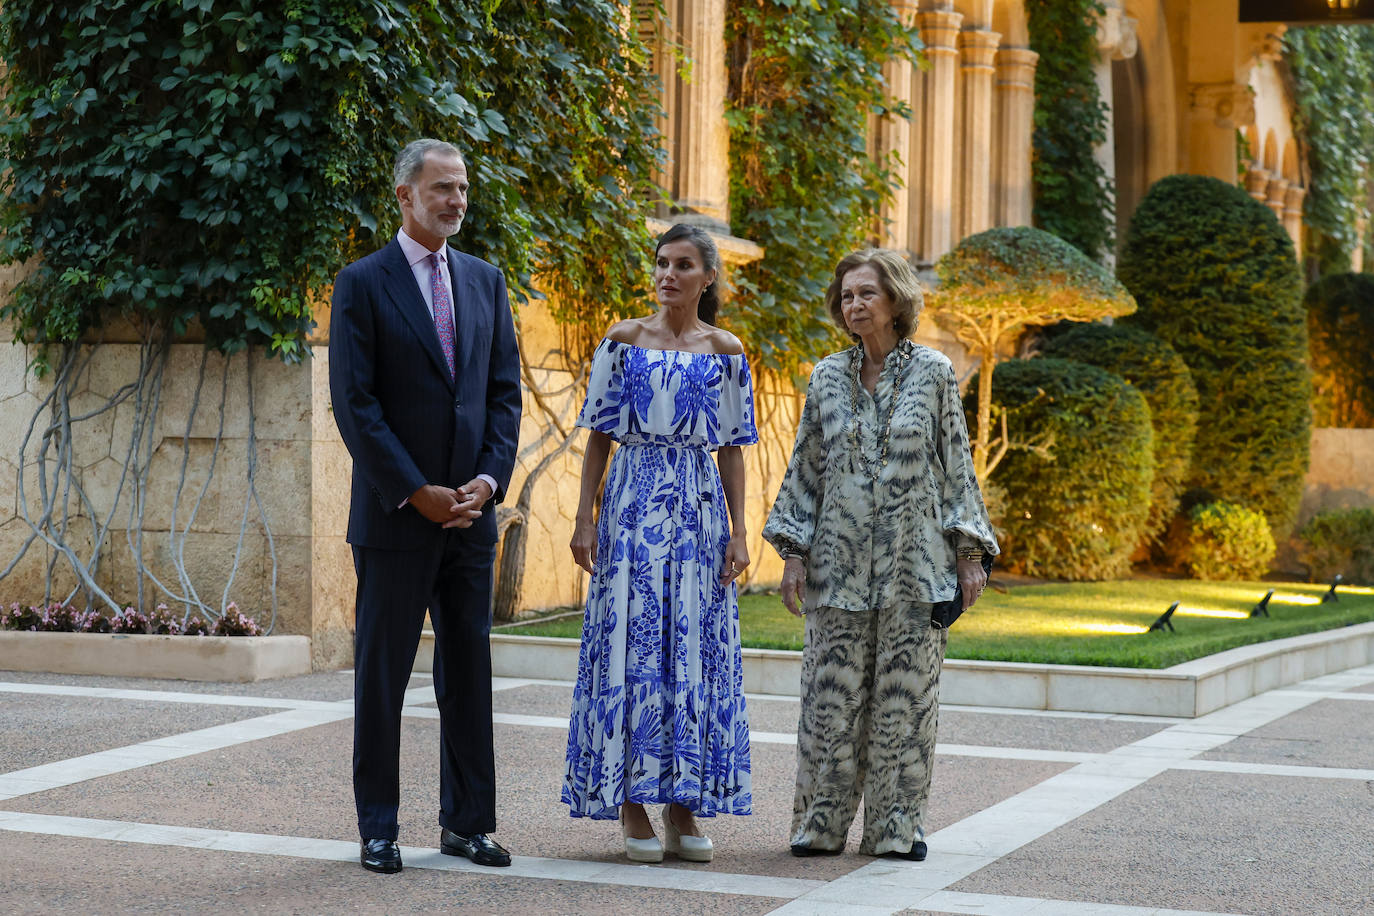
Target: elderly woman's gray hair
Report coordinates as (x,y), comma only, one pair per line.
(411,159)
(898,280)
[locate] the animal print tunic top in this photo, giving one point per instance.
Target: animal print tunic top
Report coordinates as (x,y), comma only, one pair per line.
(890,541)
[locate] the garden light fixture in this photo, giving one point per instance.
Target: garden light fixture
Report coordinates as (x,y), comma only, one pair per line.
(1163,623)
(1331,592)
(1262,609)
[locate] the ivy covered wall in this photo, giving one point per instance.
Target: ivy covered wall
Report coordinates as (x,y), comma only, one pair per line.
(804,80)
(1333,75)
(1073,198)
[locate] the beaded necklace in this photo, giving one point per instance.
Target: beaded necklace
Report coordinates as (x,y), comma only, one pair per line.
(856,356)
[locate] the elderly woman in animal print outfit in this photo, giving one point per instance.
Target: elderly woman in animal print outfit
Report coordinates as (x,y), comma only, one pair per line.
(878,518)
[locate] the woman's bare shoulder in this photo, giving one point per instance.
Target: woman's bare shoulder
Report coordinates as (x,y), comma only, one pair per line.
(722,341)
(626,331)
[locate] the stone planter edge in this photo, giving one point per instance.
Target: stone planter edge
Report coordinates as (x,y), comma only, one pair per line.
(189,658)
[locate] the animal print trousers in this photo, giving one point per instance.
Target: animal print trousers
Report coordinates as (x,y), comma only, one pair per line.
(869,707)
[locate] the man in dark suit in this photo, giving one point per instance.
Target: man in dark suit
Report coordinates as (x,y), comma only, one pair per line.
(424,376)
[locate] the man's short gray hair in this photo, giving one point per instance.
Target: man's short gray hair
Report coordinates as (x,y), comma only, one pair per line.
(412,158)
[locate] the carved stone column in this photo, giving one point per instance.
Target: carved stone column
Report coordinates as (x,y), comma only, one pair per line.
(1116,40)
(894,136)
(1275,195)
(1292,217)
(653,31)
(1257,183)
(697,139)
(939,31)
(1216,110)
(1013,110)
(977,49)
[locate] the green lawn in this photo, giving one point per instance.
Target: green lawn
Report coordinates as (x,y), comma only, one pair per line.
(1089,623)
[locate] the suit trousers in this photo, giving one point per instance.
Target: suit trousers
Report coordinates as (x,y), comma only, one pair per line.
(452,579)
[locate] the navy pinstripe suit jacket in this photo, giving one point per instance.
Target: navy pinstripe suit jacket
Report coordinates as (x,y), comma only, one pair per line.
(405,421)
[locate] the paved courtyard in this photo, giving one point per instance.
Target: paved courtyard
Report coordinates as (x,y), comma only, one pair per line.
(139,796)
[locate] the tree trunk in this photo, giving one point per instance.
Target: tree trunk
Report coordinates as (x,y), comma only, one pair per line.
(510,579)
(510,570)
(983,442)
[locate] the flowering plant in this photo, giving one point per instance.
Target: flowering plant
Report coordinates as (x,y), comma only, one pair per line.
(60,617)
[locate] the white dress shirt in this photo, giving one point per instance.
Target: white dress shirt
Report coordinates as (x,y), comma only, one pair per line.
(417,256)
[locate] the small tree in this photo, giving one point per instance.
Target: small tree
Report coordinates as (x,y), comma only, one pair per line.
(998,282)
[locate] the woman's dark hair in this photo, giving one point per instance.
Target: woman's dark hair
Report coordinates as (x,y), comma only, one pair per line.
(709,303)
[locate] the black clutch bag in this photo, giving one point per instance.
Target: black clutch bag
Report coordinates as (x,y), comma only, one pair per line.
(944,613)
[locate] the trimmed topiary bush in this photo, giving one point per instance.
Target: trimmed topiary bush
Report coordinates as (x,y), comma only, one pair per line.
(1341,542)
(1227,541)
(1340,332)
(1078,489)
(995,283)
(1214,276)
(1158,373)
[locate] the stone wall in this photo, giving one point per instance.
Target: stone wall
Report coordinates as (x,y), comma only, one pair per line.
(299,467)
(1341,475)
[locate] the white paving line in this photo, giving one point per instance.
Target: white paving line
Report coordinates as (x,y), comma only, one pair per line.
(508,683)
(757,737)
(957,851)
(1244,768)
(1063,714)
(951,902)
(714,882)
(1366,697)
(130,757)
(164,696)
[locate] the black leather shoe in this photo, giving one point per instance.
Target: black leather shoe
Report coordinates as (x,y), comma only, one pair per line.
(478,847)
(917,852)
(801,851)
(381,855)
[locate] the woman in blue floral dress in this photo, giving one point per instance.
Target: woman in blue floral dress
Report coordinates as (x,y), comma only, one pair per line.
(658,713)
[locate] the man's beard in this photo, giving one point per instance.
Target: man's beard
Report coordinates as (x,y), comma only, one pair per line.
(433,223)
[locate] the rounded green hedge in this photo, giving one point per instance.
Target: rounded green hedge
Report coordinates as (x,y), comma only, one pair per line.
(1340,331)
(1227,541)
(1340,541)
(1077,509)
(1214,276)
(1158,373)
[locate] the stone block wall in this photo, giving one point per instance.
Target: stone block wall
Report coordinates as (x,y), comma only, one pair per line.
(1341,473)
(297,516)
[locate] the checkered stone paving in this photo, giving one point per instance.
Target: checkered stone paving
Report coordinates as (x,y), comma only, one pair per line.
(120,795)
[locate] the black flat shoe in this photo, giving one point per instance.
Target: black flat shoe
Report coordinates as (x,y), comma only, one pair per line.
(478,847)
(801,851)
(381,855)
(917,852)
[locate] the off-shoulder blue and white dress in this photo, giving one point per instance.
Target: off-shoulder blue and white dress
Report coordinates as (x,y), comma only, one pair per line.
(658,712)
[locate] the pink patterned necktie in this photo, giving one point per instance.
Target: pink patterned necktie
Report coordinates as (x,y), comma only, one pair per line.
(443,310)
